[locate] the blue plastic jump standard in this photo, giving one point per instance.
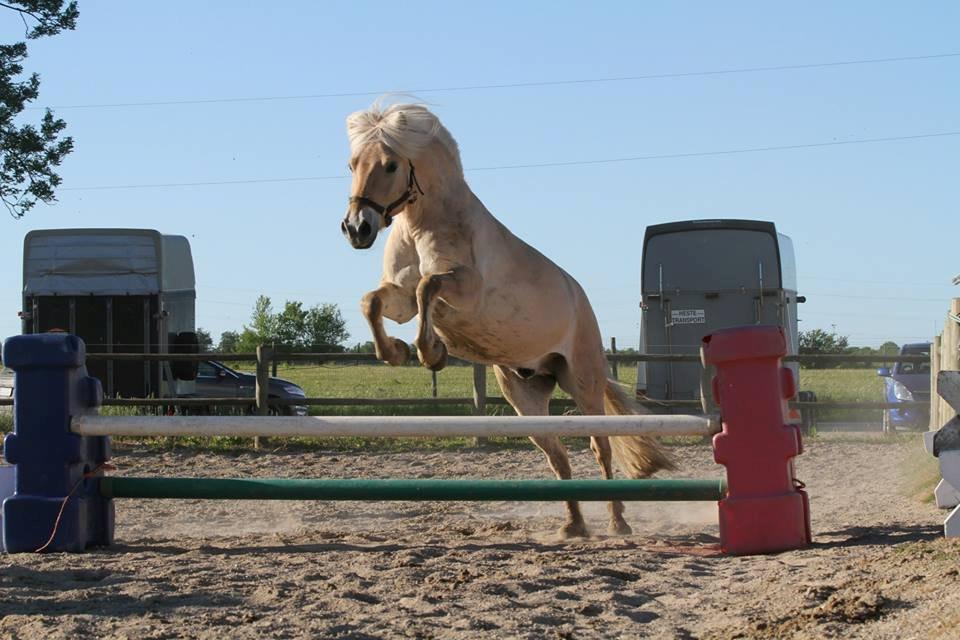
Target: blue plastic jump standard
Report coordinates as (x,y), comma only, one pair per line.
(51,386)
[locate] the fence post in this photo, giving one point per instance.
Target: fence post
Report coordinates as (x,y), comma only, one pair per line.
(935,368)
(479,396)
(950,354)
(264,357)
(433,383)
(944,356)
(273,361)
(614,369)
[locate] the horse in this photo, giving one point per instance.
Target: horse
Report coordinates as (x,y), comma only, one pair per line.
(481,293)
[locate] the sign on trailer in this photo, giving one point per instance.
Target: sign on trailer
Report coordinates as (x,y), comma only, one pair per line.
(688,316)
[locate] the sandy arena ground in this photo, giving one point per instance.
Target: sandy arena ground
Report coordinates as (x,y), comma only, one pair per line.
(879,567)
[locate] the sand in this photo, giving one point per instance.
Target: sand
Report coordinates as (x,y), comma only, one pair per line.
(879,567)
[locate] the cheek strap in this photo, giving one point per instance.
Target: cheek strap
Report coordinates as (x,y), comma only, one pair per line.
(407,197)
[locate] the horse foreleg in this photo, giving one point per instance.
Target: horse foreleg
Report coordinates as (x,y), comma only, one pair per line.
(459,288)
(399,305)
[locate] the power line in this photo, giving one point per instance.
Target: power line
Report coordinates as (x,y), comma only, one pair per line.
(898,298)
(533,165)
(209,183)
(516,85)
(886,283)
(698,154)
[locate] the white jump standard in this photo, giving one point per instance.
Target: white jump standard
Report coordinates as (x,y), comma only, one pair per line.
(945,445)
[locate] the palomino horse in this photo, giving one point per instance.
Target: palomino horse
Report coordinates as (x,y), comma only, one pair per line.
(481,293)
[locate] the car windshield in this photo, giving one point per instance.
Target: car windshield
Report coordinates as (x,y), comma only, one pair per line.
(908,368)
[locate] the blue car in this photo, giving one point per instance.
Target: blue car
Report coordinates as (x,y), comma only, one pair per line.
(907,382)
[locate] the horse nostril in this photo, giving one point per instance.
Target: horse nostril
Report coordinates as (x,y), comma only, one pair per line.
(343,228)
(364,229)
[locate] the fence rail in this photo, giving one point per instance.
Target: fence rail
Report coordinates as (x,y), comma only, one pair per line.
(369,358)
(250,402)
(266,357)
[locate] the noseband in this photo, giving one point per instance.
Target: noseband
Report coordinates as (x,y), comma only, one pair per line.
(407,197)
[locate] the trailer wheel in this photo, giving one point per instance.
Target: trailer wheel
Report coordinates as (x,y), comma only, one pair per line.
(808,415)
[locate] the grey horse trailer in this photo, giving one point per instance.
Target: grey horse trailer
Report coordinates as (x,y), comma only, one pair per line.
(699,276)
(121,291)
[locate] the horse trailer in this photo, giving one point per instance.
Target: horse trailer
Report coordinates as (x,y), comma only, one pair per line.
(122,291)
(700,276)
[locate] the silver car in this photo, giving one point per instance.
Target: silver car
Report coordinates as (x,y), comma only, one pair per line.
(216,380)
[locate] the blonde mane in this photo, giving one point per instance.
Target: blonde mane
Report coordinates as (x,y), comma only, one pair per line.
(407,129)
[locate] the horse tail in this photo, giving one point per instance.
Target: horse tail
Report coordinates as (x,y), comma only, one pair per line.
(637,456)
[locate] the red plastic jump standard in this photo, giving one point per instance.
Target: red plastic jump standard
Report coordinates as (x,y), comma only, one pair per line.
(764,511)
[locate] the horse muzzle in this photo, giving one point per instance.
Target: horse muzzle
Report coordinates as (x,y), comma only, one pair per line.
(360,227)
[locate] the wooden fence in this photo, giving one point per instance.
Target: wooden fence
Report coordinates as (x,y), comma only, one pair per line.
(944,356)
(266,359)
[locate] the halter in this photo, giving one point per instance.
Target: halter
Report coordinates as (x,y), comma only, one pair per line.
(407,197)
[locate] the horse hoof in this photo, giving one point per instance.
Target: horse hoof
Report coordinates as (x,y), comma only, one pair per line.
(620,528)
(437,363)
(401,353)
(441,362)
(573,530)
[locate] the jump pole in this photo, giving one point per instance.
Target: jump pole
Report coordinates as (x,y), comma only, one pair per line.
(59,450)
(394,426)
(434,490)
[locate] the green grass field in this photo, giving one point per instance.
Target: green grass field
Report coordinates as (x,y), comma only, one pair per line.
(375,381)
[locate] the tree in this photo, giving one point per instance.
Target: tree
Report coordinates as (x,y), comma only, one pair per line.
(364,347)
(326,329)
(889,348)
(319,328)
(204,340)
(263,323)
(818,341)
(29,154)
(291,327)
(228,342)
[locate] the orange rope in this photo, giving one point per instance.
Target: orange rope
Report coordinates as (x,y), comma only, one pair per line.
(106,466)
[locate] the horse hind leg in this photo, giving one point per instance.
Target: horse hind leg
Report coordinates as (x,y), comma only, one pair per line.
(587,389)
(604,455)
(531,397)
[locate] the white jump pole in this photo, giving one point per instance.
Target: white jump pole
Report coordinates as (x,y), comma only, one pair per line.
(395,426)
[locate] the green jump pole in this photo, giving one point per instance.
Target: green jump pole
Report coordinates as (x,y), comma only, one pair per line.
(456,490)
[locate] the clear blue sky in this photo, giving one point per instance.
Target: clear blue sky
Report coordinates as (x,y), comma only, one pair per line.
(876,226)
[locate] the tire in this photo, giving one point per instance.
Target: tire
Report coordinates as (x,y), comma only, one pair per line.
(808,415)
(272,411)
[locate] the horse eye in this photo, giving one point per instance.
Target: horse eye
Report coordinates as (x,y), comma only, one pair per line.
(391,166)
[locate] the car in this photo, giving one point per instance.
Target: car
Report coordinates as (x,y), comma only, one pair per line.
(907,382)
(216,380)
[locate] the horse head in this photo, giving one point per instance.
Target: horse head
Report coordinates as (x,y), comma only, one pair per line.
(384,183)
(384,143)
